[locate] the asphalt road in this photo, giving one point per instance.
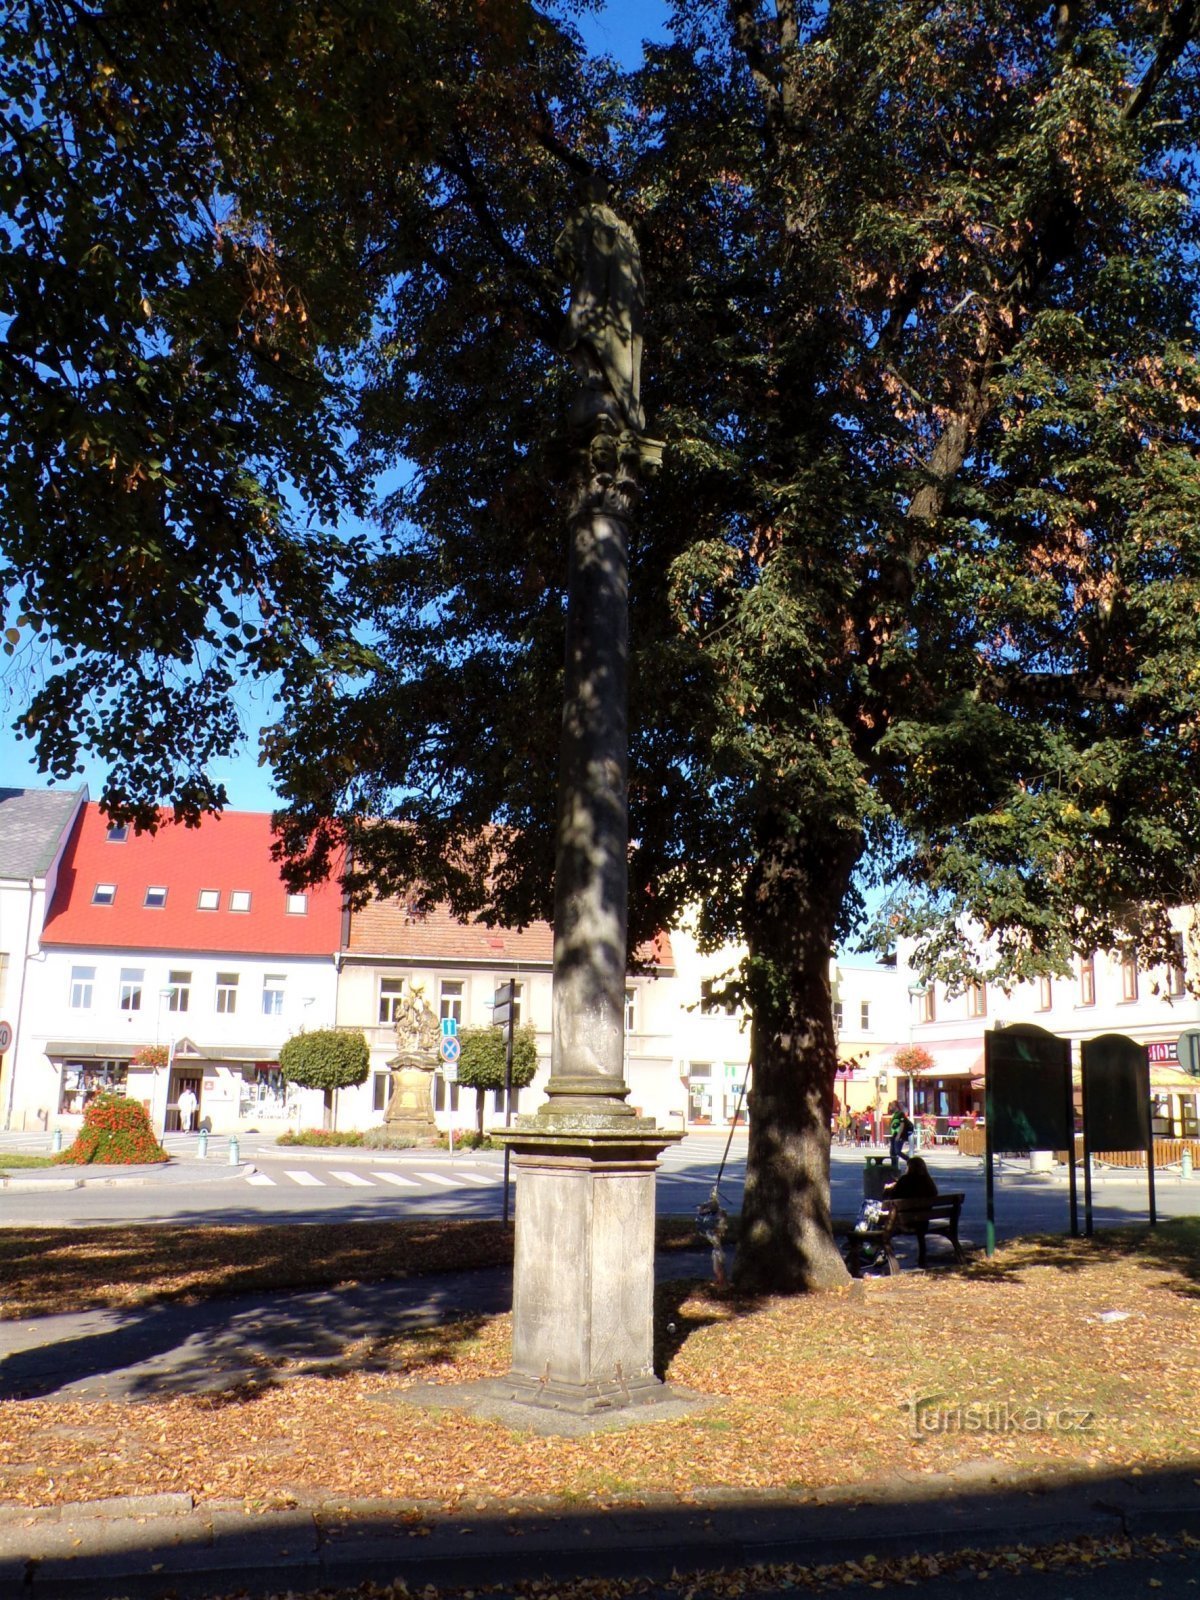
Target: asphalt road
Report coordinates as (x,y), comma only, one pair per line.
(308,1186)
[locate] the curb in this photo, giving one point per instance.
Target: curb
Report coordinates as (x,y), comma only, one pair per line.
(214,1173)
(154,1545)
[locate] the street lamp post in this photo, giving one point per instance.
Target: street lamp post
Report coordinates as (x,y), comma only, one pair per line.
(167,994)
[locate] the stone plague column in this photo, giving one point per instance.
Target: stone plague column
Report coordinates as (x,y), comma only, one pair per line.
(584,1265)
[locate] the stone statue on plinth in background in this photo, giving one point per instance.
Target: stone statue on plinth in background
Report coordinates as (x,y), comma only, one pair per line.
(409,1113)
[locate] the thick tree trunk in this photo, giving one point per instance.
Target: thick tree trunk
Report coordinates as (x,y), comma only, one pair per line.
(479,1112)
(793,897)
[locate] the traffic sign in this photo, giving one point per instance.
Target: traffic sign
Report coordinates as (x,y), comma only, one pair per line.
(450,1048)
(449,1027)
(450,1071)
(6,1037)
(501,1016)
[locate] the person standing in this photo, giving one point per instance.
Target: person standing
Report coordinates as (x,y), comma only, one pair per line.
(900,1131)
(188,1106)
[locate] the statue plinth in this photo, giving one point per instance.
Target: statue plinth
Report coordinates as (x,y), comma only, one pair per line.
(409,1113)
(583,1268)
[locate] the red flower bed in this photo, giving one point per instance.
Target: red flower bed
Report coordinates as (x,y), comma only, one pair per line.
(116,1132)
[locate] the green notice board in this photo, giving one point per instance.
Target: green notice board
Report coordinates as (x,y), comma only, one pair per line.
(1028,1090)
(1116,1093)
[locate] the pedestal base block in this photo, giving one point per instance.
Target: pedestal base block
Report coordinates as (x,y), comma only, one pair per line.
(583,1272)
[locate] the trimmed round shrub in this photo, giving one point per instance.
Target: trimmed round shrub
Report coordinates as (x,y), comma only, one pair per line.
(327,1059)
(116,1132)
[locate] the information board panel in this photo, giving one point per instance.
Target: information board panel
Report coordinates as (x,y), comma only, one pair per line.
(1028,1090)
(1116,1093)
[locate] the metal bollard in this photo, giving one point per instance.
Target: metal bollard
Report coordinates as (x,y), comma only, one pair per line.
(56,1142)
(202,1145)
(235,1155)
(1185,1163)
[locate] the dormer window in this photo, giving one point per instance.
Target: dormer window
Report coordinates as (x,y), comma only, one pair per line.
(156,898)
(118,833)
(210,900)
(297,905)
(239,900)
(104,894)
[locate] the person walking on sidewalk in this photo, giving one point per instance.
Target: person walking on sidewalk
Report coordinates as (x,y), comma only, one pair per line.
(900,1131)
(188,1106)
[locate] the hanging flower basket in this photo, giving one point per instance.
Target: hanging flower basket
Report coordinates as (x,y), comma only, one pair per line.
(151,1055)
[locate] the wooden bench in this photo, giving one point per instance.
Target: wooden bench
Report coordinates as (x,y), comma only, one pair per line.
(919,1217)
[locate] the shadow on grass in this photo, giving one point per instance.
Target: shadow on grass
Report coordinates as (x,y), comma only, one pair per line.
(1172,1247)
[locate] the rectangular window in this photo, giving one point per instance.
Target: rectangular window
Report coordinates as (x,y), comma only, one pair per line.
(391,998)
(131,988)
(977,1000)
(927,1005)
(156,898)
(839,1014)
(104,894)
(1045,994)
(381,1091)
(297,905)
(118,832)
(1087,980)
(227,983)
(1129,979)
(210,900)
(1176,972)
(180,984)
(864,1016)
(272,1000)
(239,900)
(82,979)
(439,1093)
(699,1069)
(630,1010)
(451,1001)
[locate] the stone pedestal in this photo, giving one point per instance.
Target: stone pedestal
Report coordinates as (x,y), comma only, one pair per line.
(409,1113)
(583,1273)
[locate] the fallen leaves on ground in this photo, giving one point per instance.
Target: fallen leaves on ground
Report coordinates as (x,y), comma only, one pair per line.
(46,1271)
(779,1577)
(808,1393)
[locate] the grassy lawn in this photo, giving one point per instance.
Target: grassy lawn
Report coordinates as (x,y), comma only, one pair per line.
(1018,1367)
(44,1271)
(15,1162)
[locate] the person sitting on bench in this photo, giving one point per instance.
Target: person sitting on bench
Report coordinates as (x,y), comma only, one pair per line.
(914,1183)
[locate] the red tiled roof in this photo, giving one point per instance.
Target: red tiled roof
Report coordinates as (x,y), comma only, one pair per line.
(229,853)
(389,928)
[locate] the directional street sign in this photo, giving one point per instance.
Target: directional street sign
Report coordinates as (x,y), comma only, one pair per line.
(500,1016)
(450,1049)
(449,1027)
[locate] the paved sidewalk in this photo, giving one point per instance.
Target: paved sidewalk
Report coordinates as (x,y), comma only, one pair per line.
(164,1545)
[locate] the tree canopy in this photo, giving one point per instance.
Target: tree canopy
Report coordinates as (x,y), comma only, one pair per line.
(481,1065)
(916,590)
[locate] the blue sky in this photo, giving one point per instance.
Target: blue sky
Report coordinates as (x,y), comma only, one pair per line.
(616,29)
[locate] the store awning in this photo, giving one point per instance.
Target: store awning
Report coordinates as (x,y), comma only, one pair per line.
(92,1049)
(1173,1079)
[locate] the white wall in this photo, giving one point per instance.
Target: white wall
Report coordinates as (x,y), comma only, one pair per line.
(309,1001)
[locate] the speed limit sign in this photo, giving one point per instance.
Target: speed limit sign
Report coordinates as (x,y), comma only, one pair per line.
(6,1036)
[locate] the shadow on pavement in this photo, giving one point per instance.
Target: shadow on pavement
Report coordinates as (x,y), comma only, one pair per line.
(206,1552)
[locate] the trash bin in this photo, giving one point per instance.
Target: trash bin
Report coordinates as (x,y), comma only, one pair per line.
(877,1173)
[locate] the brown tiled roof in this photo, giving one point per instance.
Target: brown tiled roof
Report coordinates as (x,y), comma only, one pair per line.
(391,928)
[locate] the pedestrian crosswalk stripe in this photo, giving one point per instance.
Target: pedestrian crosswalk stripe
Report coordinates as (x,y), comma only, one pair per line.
(260,1178)
(354,1179)
(438,1178)
(481,1177)
(396,1178)
(307,1180)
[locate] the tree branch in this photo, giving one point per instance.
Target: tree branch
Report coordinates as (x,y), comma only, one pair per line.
(1178,30)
